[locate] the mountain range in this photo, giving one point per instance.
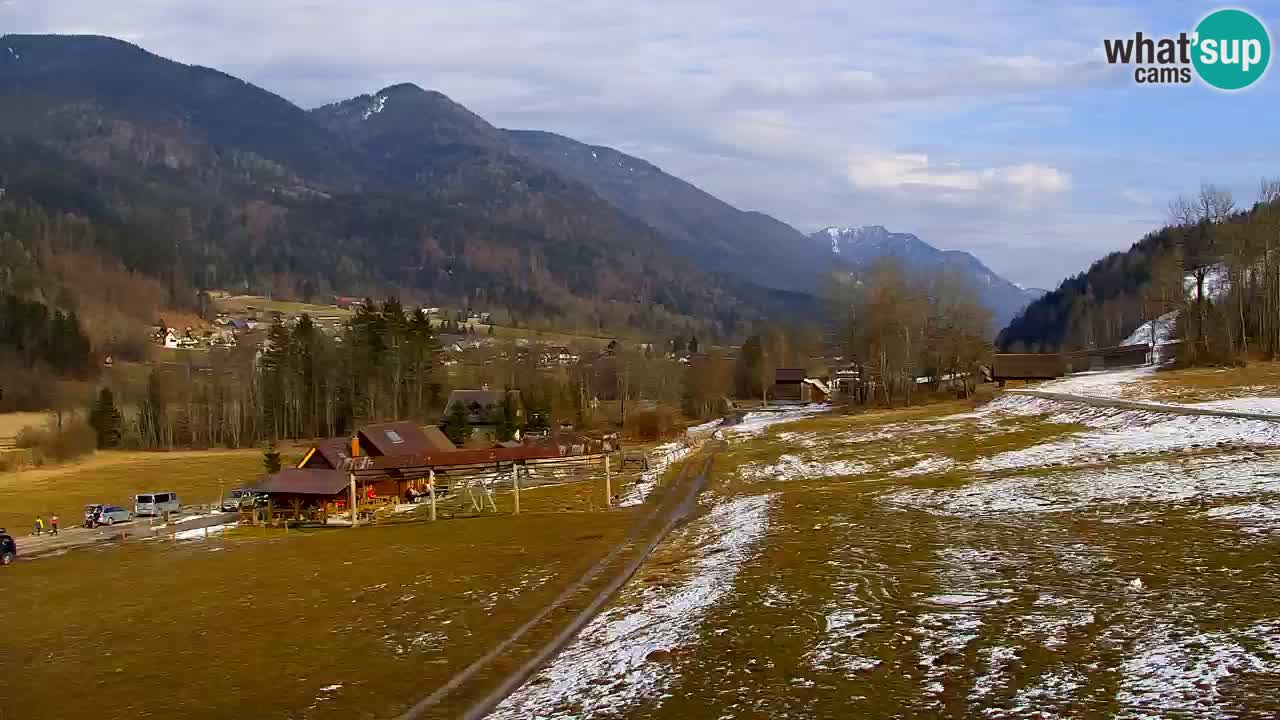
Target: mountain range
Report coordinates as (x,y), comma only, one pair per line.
(201,179)
(861,246)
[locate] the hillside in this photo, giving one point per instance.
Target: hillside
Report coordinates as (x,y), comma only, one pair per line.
(751,246)
(861,246)
(202,180)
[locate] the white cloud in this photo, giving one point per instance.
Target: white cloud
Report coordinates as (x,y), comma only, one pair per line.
(914,171)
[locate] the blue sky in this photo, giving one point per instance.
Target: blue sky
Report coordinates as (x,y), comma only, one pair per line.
(991,126)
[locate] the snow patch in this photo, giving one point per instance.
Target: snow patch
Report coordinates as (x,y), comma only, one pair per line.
(928,466)
(1172,673)
(1199,478)
(619,657)
(375,106)
(755,423)
(792,467)
(199,533)
(660,458)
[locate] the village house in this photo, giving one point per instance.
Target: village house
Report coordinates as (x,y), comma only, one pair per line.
(481,407)
(794,385)
(320,485)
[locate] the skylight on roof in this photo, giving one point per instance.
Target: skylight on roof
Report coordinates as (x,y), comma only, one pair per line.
(394,436)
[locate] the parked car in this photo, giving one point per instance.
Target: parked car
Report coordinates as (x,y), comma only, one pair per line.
(237,500)
(8,548)
(156,504)
(91,514)
(112,514)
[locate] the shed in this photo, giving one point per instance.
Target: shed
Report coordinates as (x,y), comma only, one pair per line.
(1027,366)
(305,494)
(788,383)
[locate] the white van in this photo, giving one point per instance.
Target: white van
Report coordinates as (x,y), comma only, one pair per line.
(156,503)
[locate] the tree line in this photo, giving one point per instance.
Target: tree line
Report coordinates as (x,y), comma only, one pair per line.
(1214,270)
(901,331)
(32,336)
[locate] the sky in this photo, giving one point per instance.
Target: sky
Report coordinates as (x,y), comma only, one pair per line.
(990,126)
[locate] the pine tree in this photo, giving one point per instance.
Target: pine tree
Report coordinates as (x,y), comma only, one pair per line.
(456,427)
(271,458)
(105,420)
(505,418)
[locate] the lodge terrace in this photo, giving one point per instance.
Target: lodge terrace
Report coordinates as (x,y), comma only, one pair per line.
(386,465)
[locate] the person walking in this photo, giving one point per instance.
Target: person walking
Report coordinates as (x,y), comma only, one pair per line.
(39,528)
(53,524)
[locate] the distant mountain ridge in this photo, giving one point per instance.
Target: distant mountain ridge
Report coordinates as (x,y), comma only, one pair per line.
(748,245)
(861,246)
(205,180)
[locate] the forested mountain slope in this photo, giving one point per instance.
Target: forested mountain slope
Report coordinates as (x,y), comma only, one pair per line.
(1217,266)
(198,179)
(751,246)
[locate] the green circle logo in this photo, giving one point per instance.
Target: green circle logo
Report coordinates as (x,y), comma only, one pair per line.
(1232,49)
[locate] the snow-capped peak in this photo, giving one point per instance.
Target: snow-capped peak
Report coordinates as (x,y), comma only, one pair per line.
(375,107)
(15,54)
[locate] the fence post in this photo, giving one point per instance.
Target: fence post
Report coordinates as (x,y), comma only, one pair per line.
(515,485)
(431,485)
(608,483)
(354,520)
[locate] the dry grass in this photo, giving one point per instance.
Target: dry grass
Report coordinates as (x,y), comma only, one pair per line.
(115,477)
(14,422)
(1047,588)
(321,623)
(1202,384)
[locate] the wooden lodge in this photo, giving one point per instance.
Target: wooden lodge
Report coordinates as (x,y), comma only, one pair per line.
(391,463)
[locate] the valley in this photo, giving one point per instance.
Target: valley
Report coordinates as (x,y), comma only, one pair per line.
(611,362)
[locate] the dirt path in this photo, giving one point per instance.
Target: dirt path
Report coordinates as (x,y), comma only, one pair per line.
(674,506)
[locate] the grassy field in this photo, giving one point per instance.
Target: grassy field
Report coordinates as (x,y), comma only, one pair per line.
(323,623)
(1201,384)
(114,477)
(1023,560)
(15,422)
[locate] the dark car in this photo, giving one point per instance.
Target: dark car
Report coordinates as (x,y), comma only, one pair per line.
(8,548)
(238,500)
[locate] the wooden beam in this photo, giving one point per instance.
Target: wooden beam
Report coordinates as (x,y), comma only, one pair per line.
(431,485)
(515,486)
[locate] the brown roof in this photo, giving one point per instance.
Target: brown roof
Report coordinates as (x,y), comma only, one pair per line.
(397,438)
(789,375)
(437,439)
(332,452)
(295,481)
